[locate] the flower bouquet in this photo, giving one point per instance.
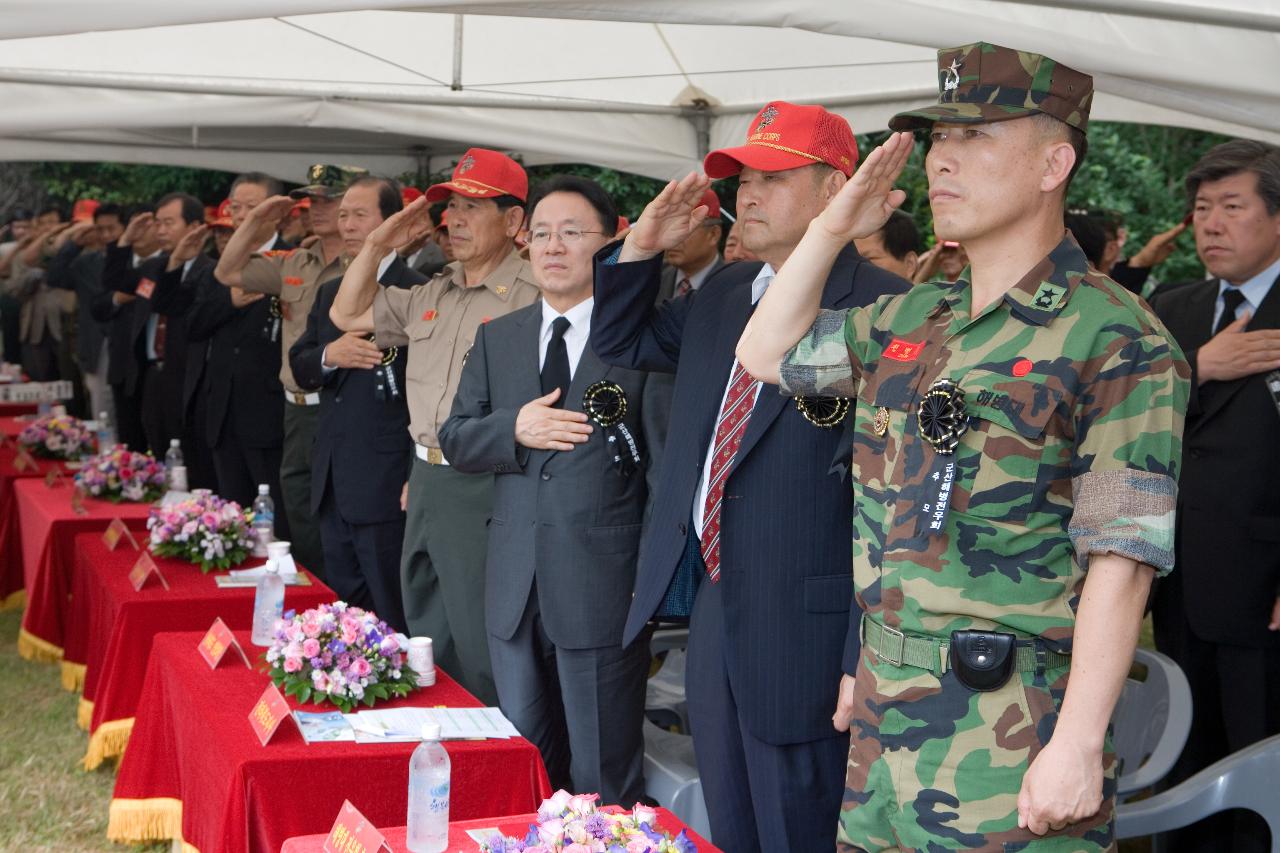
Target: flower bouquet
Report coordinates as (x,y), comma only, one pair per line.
(121,474)
(571,824)
(205,529)
(339,654)
(57,437)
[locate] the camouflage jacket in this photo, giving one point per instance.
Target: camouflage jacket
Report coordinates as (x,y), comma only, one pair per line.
(1075,395)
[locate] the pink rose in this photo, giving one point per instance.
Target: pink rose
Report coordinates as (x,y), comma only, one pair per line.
(644,814)
(551,832)
(292,664)
(360,668)
(583,804)
(639,845)
(311,627)
(576,848)
(311,648)
(554,805)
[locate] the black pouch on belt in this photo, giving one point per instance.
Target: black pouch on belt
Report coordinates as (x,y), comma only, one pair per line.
(983,660)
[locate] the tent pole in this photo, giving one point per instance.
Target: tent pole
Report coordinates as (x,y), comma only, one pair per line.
(457,54)
(700,117)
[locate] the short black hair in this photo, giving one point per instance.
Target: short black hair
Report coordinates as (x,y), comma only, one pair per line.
(594,194)
(192,209)
(109,209)
(1075,137)
(505,202)
(262,179)
(1232,158)
(900,235)
(20,214)
(1090,234)
(390,199)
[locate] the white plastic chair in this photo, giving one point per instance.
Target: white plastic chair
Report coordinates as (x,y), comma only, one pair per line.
(671,777)
(1150,723)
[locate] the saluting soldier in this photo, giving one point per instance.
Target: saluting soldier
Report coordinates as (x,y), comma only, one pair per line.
(1017,443)
(442,564)
(292,278)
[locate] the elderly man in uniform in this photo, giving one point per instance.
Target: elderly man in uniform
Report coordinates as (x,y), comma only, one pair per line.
(442,565)
(1017,443)
(291,278)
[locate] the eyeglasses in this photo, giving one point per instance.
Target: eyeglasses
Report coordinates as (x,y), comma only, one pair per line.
(568,236)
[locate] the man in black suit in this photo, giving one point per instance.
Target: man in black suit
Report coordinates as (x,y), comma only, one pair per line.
(743,512)
(1218,615)
(362,453)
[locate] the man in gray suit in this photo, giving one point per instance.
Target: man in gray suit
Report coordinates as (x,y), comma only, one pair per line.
(563,433)
(697,257)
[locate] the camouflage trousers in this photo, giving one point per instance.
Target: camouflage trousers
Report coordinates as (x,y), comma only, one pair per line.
(936,766)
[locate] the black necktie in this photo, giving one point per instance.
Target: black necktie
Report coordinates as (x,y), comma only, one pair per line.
(1231,299)
(555,367)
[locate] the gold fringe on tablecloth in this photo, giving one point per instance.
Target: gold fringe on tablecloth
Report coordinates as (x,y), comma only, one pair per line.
(33,648)
(108,741)
(140,821)
(84,714)
(15,600)
(72,676)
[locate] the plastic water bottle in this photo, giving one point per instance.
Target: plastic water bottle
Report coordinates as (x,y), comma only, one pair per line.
(429,794)
(106,432)
(264,521)
(268,604)
(174,466)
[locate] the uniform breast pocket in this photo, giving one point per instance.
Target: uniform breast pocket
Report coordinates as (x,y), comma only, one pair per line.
(420,330)
(881,412)
(1001,458)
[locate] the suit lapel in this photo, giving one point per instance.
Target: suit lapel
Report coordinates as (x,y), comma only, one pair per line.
(1266,317)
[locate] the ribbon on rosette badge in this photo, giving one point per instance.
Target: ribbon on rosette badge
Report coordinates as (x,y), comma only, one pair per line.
(605,403)
(386,387)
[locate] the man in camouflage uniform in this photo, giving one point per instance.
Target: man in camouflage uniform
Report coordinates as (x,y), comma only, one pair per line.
(1016,434)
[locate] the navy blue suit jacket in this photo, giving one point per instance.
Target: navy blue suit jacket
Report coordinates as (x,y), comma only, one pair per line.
(791,622)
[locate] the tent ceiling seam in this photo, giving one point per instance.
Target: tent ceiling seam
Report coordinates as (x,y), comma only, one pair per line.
(365,53)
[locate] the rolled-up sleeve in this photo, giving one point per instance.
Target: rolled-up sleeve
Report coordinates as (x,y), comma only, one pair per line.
(262,275)
(819,365)
(1128,449)
(392,307)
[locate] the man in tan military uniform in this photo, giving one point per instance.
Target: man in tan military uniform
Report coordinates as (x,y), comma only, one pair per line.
(291,278)
(443,562)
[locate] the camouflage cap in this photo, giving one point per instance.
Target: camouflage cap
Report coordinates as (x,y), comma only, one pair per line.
(986,82)
(328,181)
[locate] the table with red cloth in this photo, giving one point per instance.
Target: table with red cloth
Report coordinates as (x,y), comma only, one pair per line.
(48,527)
(515,826)
(12,583)
(111,626)
(9,410)
(194,769)
(11,425)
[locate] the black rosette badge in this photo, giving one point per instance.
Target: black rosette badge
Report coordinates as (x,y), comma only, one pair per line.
(823,412)
(942,416)
(605,403)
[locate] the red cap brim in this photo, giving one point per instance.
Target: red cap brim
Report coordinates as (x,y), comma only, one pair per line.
(730,161)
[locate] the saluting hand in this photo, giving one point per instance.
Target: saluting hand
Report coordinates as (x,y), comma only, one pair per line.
(867,199)
(404,226)
(139,225)
(188,247)
(667,220)
(1233,353)
(352,351)
(541,427)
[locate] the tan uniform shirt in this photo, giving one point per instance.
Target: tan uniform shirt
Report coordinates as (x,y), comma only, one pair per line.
(293,276)
(438,322)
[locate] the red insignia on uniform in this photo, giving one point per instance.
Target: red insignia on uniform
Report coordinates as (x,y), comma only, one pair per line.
(278,253)
(900,350)
(145,288)
(485,319)
(429,314)
(1022,367)
(293,281)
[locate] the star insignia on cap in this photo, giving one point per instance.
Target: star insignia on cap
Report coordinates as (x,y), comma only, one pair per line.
(766,117)
(466,165)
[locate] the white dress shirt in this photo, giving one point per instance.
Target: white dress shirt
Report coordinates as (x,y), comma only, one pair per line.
(758,287)
(575,337)
(1255,290)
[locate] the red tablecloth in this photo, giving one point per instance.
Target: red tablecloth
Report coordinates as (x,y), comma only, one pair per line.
(112,626)
(12,583)
(194,769)
(12,409)
(48,528)
(516,826)
(11,425)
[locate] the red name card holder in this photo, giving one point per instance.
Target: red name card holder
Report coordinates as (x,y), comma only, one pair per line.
(217,642)
(268,712)
(23,460)
(353,833)
(143,569)
(116,531)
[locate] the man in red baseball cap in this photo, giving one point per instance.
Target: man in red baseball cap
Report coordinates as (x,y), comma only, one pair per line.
(740,540)
(443,559)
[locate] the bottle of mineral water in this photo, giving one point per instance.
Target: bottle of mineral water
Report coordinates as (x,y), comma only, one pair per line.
(264,521)
(106,432)
(268,604)
(429,794)
(175,467)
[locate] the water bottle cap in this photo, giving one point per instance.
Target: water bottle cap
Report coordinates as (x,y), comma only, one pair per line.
(102,416)
(174,442)
(263,489)
(431,731)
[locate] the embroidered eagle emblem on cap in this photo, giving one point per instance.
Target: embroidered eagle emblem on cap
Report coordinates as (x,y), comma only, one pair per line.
(466,164)
(766,117)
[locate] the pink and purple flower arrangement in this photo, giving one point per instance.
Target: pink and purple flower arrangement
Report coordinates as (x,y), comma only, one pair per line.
(205,529)
(340,654)
(121,474)
(570,823)
(57,437)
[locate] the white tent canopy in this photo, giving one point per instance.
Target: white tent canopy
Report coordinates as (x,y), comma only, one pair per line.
(640,86)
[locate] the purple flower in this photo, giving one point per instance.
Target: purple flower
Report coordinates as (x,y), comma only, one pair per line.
(597,826)
(683,843)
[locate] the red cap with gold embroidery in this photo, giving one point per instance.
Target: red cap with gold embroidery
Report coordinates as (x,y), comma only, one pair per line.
(222,217)
(482,173)
(787,136)
(409,195)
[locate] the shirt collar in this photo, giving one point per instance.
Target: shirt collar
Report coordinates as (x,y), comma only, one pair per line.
(696,280)
(385,264)
(761,283)
(1041,294)
(138,259)
(1255,289)
(502,280)
(266,247)
(579,316)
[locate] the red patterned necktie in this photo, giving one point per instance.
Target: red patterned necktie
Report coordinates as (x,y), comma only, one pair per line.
(684,287)
(157,343)
(730,426)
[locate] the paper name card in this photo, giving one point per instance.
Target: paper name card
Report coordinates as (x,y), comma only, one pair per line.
(267,714)
(23,460)
(353,833)
(217,642)
(116,531)
(145,288)
(36,392)
(143,569)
